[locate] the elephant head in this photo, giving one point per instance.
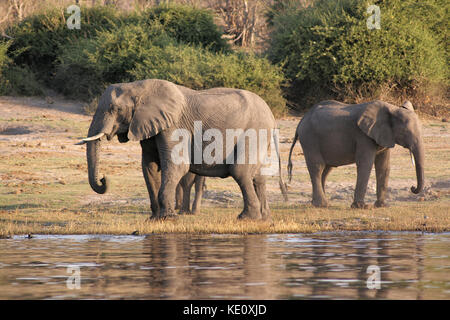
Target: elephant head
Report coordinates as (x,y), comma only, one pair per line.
(389,125)
(132,111)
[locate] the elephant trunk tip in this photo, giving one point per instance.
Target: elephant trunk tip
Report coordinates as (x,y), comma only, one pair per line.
(103,187)
(416,190)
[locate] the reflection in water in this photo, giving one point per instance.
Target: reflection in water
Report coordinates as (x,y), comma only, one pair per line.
(318,266)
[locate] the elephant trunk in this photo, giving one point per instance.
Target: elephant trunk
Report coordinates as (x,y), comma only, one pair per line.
(92,154)
(419,159)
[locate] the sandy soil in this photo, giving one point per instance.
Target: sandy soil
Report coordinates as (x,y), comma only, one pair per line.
(37,137)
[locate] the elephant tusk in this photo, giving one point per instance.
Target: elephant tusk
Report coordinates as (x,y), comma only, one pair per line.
(96,137)
(412,159)
(85,140)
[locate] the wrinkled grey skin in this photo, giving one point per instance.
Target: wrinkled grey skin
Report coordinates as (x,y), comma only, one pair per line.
(334,134)
(150,110)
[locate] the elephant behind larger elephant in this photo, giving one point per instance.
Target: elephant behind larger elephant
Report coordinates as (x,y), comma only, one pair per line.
(155,111)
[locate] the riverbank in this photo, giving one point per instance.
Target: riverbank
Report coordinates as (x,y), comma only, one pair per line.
(44,187)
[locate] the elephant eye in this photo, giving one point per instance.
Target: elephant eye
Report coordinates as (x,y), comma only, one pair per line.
(116,108)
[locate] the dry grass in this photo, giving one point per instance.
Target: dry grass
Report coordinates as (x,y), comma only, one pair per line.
(44,188)
(295,219)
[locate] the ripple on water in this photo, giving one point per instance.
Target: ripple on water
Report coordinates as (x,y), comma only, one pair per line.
(314,266)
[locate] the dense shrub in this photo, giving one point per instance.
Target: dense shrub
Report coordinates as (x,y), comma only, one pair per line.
(131,53)
(178,43)
(14,79)
(198,68)
(39,39)
(85,68)
(188,25)
(5,61)
(329,45)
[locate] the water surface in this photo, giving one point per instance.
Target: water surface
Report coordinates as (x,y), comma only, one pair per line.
(292,266)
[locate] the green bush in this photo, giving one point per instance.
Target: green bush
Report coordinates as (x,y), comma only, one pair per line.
(87,67)
(14,79)
(177,43)
(329,45)
(5,61)
(198,68)
(188,25)
(40,38)
(131,53)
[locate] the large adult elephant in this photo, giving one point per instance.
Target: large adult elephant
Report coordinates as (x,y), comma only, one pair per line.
(333,134)
(155,111)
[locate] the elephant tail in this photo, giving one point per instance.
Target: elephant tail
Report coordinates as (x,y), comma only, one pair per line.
(289,167)
(283,186)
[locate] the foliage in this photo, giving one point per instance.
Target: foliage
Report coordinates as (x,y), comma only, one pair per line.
(198,68)
(40,38)
(85,68)
(188,25)
(131,53)
(329,44)
(14,79)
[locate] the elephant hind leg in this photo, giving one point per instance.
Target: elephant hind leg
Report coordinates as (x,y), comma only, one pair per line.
(185,185)
(325,173)
(178,197)
(316,171)
(199,186)
(252,206)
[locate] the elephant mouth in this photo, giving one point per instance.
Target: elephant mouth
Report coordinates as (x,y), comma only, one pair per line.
(123,137)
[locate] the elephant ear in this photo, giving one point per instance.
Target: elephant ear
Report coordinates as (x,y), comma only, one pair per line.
(158,105)
(375,122)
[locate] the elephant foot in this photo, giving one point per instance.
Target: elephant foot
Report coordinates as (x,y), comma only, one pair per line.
(249,215)
(380,204)
(266,216)
(320,203)
(359,205)
(153,217)
(186,212)
(162,217)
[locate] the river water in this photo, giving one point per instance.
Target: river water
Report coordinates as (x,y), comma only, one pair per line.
(370,265)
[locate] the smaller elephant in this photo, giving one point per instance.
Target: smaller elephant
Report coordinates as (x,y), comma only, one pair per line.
(183,193)
(334,134)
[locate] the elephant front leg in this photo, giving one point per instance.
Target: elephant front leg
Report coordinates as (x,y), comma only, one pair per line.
(152,178)
(170,177)
(364,164)
(382,169)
